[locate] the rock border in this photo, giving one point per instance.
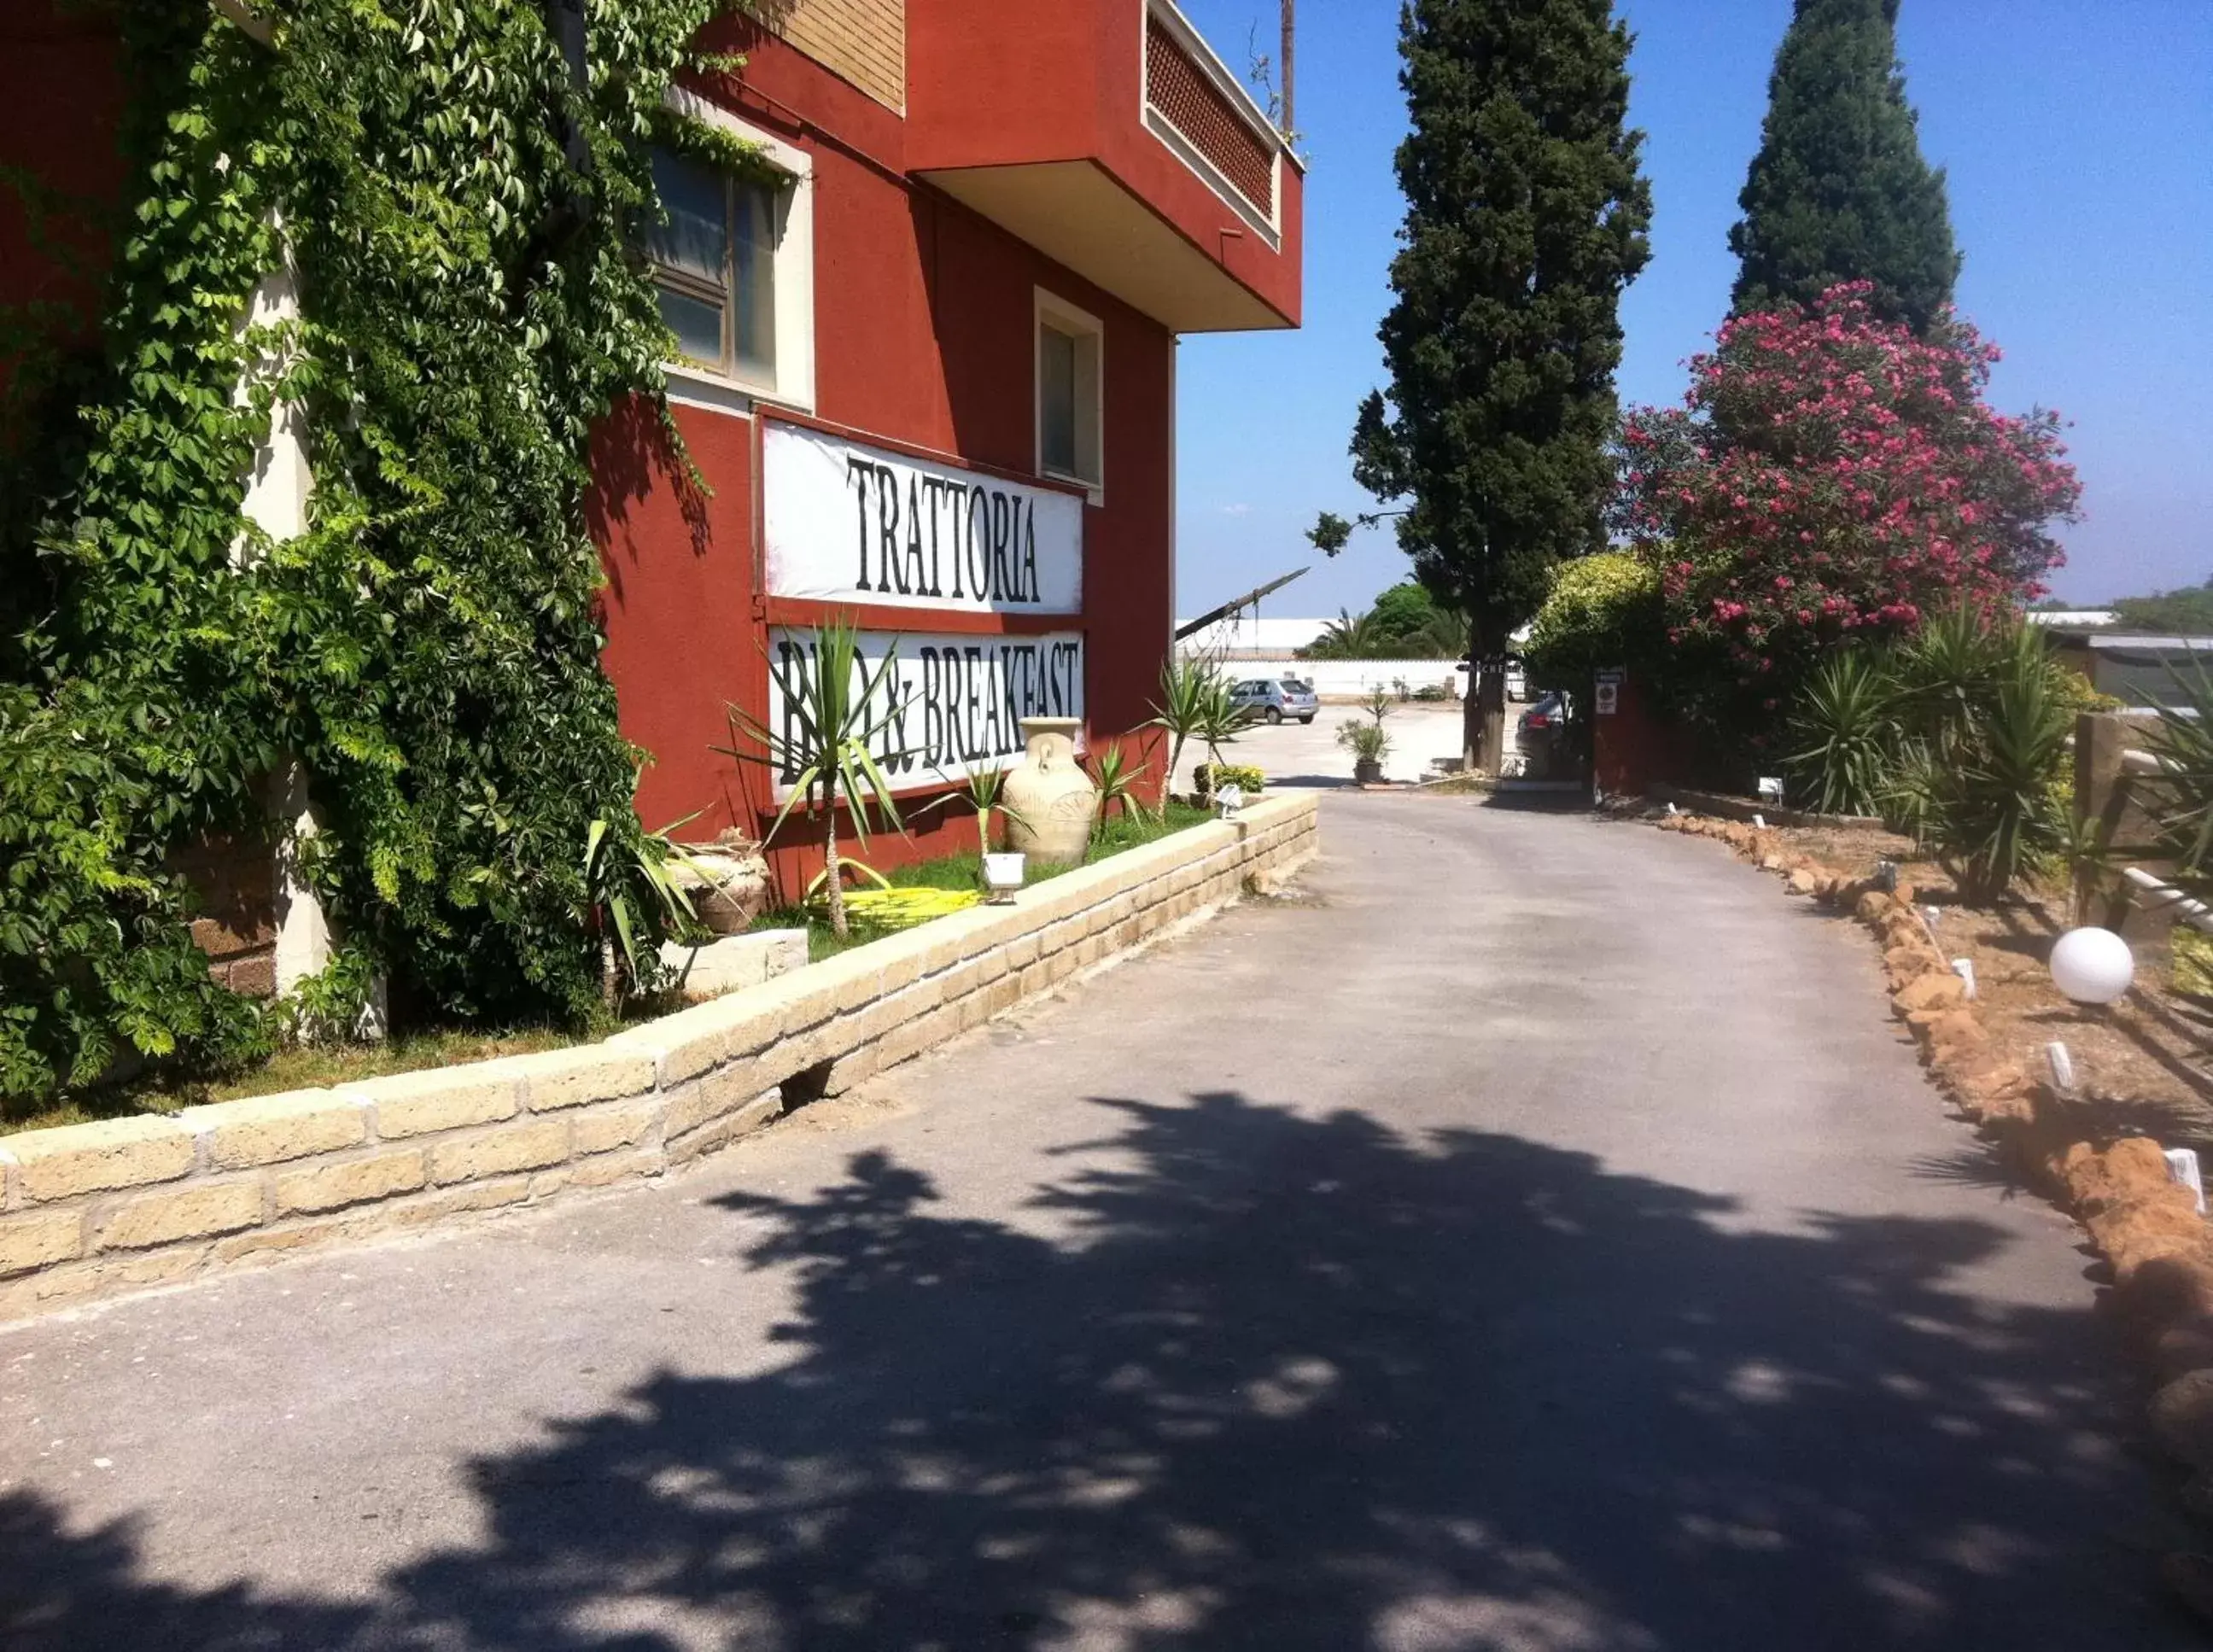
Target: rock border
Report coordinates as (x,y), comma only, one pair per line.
(92,1210)
(2143,1224)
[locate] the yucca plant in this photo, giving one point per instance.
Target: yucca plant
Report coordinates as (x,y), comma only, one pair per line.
(2182,794)
(1117,778)
(1194,704)
(1946,676)
(830,759)
(1994,804)
(632,897)
(1848,732)
(984,792)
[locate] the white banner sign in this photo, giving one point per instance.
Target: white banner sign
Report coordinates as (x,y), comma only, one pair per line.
(849,523)
(957,703)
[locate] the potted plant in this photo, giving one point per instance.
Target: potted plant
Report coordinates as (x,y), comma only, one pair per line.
(1003,871)
(1369,744)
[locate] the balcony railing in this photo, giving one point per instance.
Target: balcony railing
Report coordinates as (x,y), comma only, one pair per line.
(1196,106)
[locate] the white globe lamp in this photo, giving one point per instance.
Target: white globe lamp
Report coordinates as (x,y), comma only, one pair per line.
(2092,966)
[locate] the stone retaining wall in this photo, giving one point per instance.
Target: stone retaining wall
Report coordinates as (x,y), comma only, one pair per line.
(91,1210)
(1744,808)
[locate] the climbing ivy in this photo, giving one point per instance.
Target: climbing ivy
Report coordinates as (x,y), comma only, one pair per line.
(455,209)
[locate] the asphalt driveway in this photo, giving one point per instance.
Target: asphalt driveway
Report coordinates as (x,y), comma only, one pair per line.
(1534,1238)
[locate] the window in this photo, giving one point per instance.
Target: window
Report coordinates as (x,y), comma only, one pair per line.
(715,261)
(1069,399)
(734,265)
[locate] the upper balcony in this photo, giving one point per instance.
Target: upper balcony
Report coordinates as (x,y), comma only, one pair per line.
(1108,134)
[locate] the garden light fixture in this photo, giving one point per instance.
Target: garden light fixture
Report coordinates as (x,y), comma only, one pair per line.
(2092,966)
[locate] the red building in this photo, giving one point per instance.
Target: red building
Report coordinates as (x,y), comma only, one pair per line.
(934,375)
(930,371)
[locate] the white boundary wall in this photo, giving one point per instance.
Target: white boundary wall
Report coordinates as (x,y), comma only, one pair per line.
(1350,679)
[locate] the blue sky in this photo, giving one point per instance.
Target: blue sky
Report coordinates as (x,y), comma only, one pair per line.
(2079,142)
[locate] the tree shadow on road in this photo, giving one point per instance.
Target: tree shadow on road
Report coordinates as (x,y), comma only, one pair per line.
(1248,1379)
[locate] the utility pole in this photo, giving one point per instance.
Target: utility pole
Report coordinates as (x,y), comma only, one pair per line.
(1290,31)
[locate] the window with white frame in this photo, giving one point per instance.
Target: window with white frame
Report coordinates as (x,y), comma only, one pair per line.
(1071,400)
(734,265)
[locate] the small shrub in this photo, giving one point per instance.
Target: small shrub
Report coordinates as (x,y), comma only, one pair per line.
(1603,611)
(1246,777)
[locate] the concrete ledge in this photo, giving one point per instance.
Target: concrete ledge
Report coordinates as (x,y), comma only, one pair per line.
(92,1210)
(736,962)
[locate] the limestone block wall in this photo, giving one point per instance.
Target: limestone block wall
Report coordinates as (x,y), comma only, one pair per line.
(92,1209)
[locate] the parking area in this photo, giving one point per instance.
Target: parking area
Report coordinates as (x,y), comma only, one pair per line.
(1307,754)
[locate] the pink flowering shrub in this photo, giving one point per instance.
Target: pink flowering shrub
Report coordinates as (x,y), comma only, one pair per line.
(1832,477)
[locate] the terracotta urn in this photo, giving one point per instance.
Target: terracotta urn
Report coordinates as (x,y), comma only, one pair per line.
(729,882)
(1050,802)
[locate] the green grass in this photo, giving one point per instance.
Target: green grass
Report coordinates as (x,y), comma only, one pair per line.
(1130,830)
(321,1066)
(312,1067)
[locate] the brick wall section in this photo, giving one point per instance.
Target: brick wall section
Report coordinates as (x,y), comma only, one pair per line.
(235,882)
(91,1210)
(863,40)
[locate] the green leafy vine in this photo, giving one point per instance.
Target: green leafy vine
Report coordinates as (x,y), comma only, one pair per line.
(455,209)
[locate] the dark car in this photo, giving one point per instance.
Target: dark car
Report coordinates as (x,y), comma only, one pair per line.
(1541,734)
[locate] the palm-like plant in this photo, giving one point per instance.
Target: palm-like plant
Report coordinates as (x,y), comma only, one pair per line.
(1350,636)
(830,759)
(1117,778)
(632,897)
(984,792)
(1443,635)
(1223,720)
(1847,726)
(1194,704)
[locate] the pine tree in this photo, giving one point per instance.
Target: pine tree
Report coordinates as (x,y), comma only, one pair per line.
(1526,216)
(1838,190)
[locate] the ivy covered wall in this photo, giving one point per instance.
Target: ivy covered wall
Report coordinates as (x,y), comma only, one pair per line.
(456,203)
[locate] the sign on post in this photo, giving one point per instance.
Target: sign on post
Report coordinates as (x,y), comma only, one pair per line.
(1606,701)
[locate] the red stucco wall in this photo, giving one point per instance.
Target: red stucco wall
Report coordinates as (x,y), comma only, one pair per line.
(923,337)
(1638,745)
(58,123)
(1065,81)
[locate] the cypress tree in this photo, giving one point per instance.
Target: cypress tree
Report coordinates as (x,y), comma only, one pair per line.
(1526,215)
(1838,190)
